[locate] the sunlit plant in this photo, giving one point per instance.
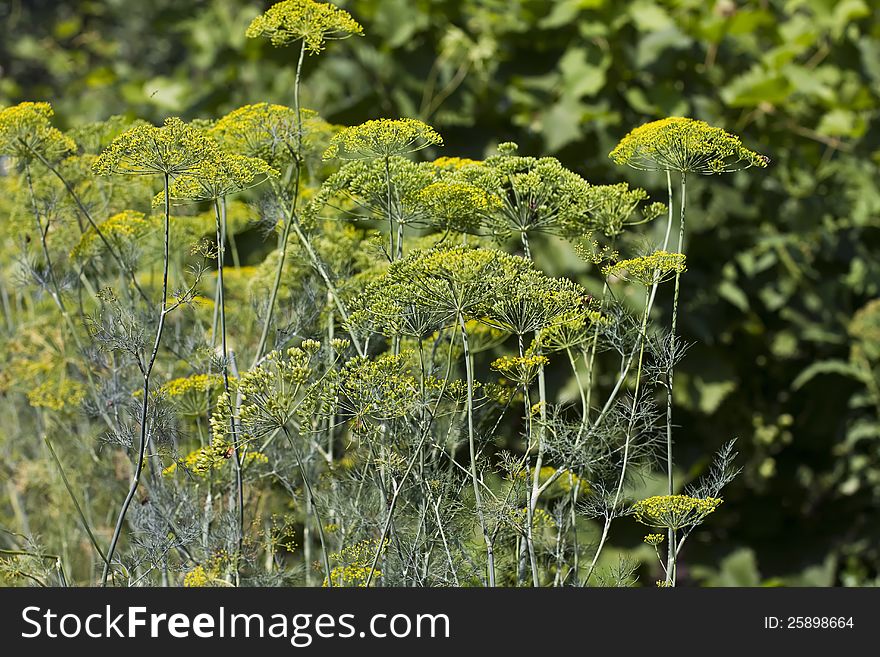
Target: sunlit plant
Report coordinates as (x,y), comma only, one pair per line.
(380,374)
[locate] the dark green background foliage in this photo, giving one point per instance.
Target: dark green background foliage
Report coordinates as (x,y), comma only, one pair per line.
(779,260)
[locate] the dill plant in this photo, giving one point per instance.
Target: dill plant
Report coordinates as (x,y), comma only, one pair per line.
(372,403)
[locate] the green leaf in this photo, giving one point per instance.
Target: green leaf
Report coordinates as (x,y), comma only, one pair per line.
(824,367)
(756,87)
(734,295)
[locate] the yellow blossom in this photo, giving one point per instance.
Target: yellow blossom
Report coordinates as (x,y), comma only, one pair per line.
(685,145)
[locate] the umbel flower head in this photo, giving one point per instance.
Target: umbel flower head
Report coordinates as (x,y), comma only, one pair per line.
(674,511)
(217,175)
(532,301)
(308,21)
(454,282)
(376,389)
(174,149)
(457,206)
(382,138)
(264,130)
(572,329)
(25,129)
(521,369)
(613,208)
(649,269)
(120,229)
(270,394)
(360,190)
(685,145)
(539,194)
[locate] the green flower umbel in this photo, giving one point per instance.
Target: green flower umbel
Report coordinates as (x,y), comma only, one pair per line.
(311,22)
(685,145)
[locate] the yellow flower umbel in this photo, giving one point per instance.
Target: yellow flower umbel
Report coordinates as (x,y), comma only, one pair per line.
(650,269)
(271,132)
(382,138)
(174,149)
(355,564)
(454,163)
(457,206)
(520,369)
(191,395)
(57,394)
(674,511)
(685,145)
(218,175)
(312,22)
(121,229)
(25,131)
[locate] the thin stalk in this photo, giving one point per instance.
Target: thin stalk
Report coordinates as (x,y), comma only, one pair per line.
(391,250)
(291,214)
(536,490)
(79,511)
(610,515)
(220,226)
(671,549)
(147,370)
(584,403)
(478,498)
(314,508)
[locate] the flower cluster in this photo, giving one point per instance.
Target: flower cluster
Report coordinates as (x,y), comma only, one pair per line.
(649,269)
(674,511)
(457,206)
(25,130)
(123,227)
(355,563)
(613,207)
(454,163)
(685,145)
(572,329)
(217,175)
(176,148)
(311,22)
(382,138)
(366,190)
(453,282)
(57,394)
(192,395)
(204,459)
(377,389)
(539,194)
(261,130)
(521,369)
(531,301)
(270,394)
(654,539)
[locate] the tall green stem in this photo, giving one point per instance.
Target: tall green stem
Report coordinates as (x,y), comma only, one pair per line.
(313,507)
(629,431)
(220,225)
(670,562)
(475,481)
(147,370)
